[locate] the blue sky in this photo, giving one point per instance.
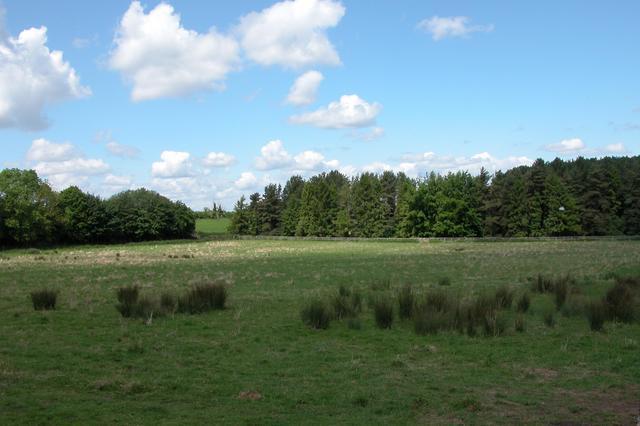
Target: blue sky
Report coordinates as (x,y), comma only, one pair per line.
(204,101)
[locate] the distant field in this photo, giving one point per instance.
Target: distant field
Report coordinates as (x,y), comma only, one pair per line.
(212,226)
(83,363)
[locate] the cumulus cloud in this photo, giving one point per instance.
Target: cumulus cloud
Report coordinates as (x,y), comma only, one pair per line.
(303,91)
(377,167)
(273,156)
(62,164)
(117,181)
(349,111)
(31,78)
(163,59)
(616,148)
(453,26)
(173,164)
(246,180)
(566,146)
(218,159)
(291,34)
(421,163)
(368,135)
(43,150)
(121,150)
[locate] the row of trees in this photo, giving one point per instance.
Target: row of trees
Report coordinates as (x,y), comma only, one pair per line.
(32,213)
(579,197)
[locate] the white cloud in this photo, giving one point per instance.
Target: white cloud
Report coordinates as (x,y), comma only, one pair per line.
(43,150)
(173,164)
(376,167)
(115,181)
(616,148)
(291,33)
(78,166)
(303,91)
(31,78)
(368,135)
(419,164)
(273,156)
(218,159)
(349,111)
(121,150)
(566,146)
(163,59)
(246,180)
(453,26)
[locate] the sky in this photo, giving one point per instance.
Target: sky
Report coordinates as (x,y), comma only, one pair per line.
(205,101)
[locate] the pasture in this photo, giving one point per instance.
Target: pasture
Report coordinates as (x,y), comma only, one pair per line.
(208,227)
(255,362)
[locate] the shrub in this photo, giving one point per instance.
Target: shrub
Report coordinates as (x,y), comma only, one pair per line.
(444,281)
(520,324)
(44,300)
(549,318)
(383,313)
(203,298)
(596,313)
(523,303)
(406,302)
(560,291)
(620,303)
(504,297)
(168,303)
(127,300)
(315,314)
(347,303)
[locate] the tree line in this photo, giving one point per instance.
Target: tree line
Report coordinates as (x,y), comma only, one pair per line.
(557,198)
(33,213)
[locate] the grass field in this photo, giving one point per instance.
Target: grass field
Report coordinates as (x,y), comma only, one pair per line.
(205,227)
(257,363)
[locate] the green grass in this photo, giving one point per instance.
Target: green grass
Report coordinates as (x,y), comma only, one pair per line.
(205,227)
(256,362)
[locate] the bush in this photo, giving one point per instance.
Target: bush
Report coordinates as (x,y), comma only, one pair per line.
(127,300)
(504,297)
(596,313)
(203,298)
(524,302)
(620,303)
(347,303)
(315,314)
(383,313)
(44,300)
(520,325)
(406,302)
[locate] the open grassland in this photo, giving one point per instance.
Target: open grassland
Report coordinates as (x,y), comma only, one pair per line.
(205,227)
(255,362)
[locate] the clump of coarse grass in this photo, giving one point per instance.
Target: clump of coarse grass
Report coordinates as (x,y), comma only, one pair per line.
(44,300)
(438,300)
(381,285)
(127,300)
(316,314)
(444,281)
(354,324)
(632,282)
(168,303)
(520,324)
(596,313)
(542,284)
(203,298)
(483,305)
(620,302)
(406,302)
(561,290)
(504,297)
(574,306)
(494,323)
(430,321)
(524,302)
(549,318)
(383,312)
(346,303)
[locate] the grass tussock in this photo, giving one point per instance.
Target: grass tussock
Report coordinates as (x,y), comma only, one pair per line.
(549,318)
(132,305)
(504,297)
(596,313)
(383,313)
(44,300)
(347,303)
(406,302)
(520,324)
(524,302)
(316,314)
(620,301)
(203,298)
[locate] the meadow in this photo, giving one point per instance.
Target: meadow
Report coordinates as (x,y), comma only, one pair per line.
(256,362)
